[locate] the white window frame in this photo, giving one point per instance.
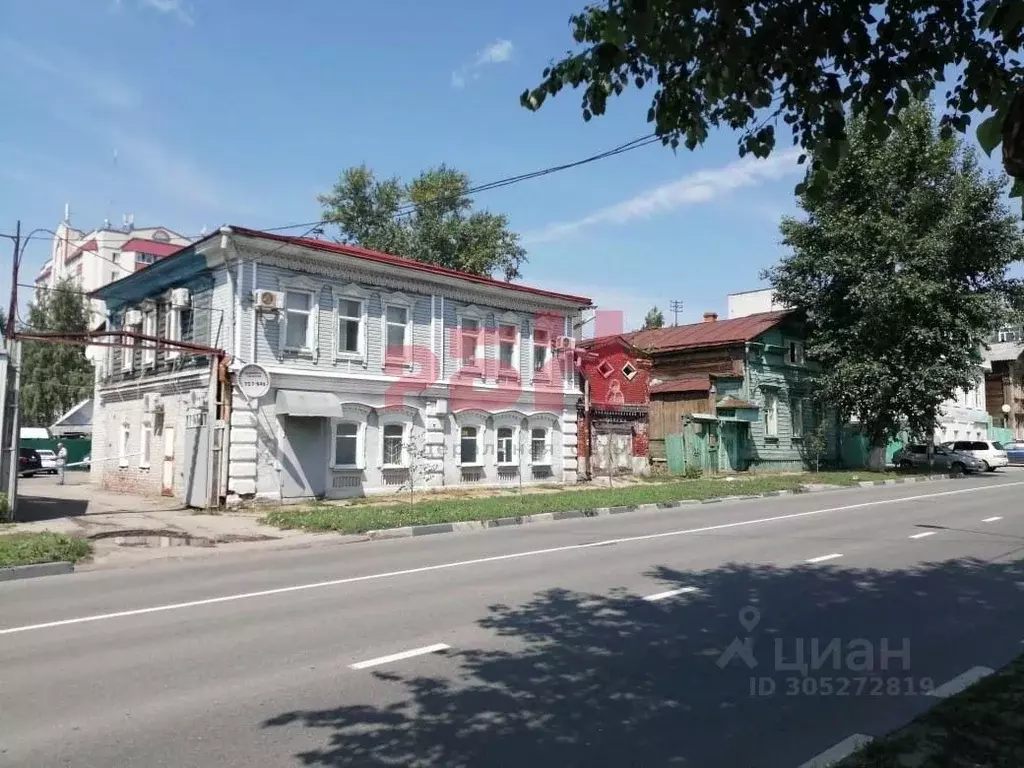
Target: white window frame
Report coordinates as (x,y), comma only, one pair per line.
(544,372)
(509,420)
(513,459)
(796,417)
(124,439)
(509,320)
(795,349)
(397,301)
(474,314)
(309,344)
(149,329)
(351,293)
(360,425)
(771,414)
(547,423)
(477,419)
(128,352)
(145,443)
(403,416)
(631,365)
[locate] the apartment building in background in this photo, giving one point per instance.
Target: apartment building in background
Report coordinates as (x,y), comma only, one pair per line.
(94,258)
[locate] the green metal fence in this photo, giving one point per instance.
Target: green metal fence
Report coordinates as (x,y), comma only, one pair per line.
(78,448)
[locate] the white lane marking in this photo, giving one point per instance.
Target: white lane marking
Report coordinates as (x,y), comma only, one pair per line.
(399,656)
(961,682)
(992,519)
(835,753)
(924,535)
(823,558)
(491,559)
(670,593)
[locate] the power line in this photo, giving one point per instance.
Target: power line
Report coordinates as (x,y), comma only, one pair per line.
(676,306)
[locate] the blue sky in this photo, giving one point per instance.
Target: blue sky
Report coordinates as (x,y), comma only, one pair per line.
(242,112)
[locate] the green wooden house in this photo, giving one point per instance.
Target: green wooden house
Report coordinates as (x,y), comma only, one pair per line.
(732,395)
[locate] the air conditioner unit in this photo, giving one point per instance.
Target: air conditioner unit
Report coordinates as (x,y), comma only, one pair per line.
(133,317)
(565,342)
(152,403)
(267,301)
(180,298)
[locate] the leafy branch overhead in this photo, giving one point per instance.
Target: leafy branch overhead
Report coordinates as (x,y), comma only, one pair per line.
(811,64)
(430,220)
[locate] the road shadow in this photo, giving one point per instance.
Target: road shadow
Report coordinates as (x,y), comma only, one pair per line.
(36,508)
(581,679)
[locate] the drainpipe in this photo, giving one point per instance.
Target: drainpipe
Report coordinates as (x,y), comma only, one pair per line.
(586,424)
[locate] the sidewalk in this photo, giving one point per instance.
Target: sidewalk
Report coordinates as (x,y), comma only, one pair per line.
(126,529)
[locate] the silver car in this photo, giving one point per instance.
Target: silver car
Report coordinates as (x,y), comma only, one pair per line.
(915,456)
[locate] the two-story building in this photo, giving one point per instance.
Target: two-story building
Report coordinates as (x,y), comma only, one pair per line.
(613,428)
(372,372)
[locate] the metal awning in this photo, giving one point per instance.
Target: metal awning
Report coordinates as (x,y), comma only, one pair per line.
(294,402)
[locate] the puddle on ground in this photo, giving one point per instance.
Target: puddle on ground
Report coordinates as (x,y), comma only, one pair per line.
(167,538)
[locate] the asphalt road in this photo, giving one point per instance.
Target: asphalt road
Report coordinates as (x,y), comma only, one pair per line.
(581,643)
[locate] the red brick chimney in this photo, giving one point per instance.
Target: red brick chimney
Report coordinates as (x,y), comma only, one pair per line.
(710,317)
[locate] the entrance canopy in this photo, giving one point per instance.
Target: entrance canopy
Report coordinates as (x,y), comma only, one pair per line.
(294,402)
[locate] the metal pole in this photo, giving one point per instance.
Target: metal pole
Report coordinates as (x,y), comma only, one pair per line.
(14,361)
(212,473)
(12,310)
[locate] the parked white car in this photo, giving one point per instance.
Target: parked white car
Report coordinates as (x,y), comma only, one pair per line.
(991,453)
(49,459)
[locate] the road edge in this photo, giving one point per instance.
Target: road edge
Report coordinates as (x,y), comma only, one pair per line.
(576,514)
(35,570)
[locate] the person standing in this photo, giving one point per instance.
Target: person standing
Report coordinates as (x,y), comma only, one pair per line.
(62,460)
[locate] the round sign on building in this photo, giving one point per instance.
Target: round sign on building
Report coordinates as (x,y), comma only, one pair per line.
(253,381)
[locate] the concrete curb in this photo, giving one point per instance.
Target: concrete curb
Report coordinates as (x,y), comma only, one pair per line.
(575,514)
(12,572)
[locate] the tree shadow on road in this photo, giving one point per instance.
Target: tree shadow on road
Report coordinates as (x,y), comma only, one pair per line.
(577,679)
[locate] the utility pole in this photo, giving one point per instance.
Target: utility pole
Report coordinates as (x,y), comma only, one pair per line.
(676,306)
(13,308)
(10,385)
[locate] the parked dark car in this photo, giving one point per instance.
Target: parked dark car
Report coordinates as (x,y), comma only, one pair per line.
(943,458)
(29,462)
(1015,451)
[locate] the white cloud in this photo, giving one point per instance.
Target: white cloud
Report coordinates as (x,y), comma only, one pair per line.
(700,187)
(105,89)
(170,7)
(498,52)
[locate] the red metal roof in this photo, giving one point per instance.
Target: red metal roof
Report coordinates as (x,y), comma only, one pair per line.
(404,263)
(139,245)
(714,334)
(700,382)
(89,246)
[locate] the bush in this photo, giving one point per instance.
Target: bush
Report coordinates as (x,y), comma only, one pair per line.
(693,472)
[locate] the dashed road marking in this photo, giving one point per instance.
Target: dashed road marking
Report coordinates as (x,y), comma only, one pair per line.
(669,593)
(837,752)
(399,656)
(823,558)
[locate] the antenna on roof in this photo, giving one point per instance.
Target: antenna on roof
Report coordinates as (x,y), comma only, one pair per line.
(676,306)
(67,213)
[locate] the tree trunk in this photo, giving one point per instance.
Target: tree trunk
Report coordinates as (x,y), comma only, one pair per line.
(876,458)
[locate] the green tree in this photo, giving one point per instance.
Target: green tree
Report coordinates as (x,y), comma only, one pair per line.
(810,63)
(54,377)
(900,267)
(654,319)
(429,219)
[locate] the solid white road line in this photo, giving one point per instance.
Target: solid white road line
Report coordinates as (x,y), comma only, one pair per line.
(492,559)
(823,558)
(399,656)
(835,753)
(992,519)
(961,682)
(670,593)
(923,535)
